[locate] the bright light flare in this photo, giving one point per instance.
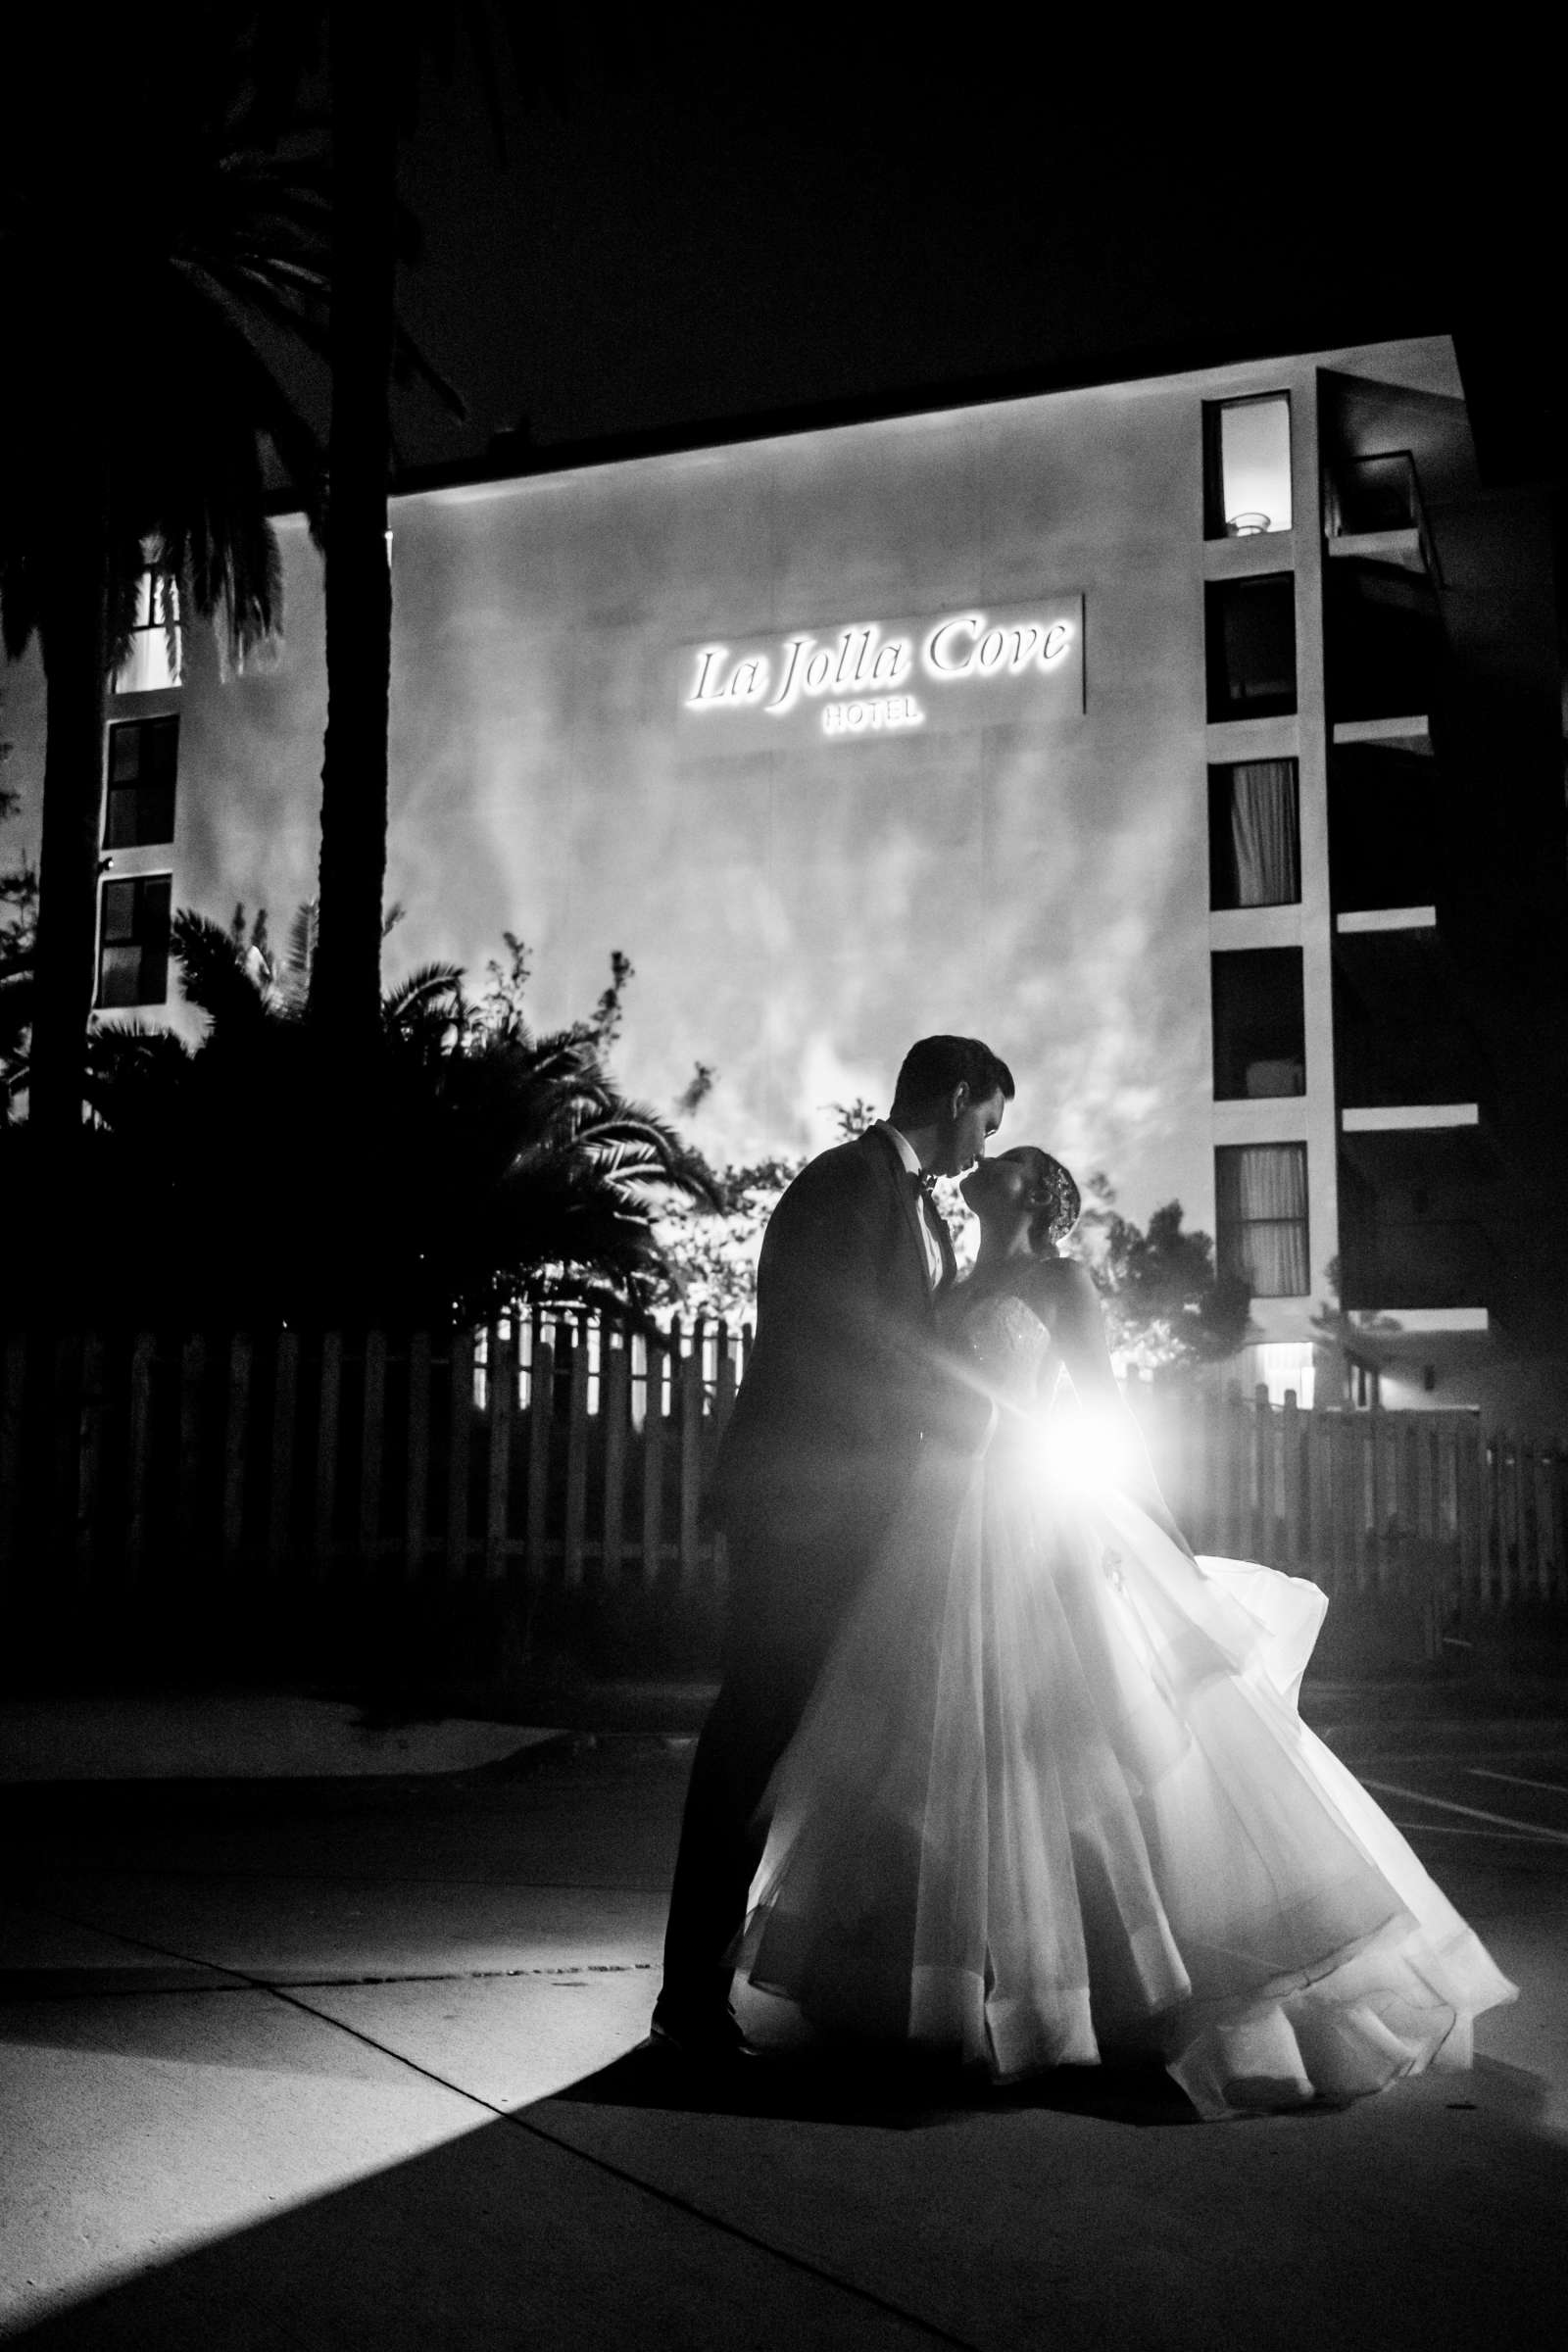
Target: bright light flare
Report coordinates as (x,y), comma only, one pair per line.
(1083,1453)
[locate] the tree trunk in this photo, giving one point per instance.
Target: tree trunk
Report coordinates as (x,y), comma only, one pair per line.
(346,980)
(75,648)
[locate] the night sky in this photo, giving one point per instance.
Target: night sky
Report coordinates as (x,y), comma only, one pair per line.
(721,227)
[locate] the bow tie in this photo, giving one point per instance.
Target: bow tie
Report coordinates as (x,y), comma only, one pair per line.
(924,1181)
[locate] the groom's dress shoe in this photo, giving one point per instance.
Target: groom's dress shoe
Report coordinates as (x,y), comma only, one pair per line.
(707,2036)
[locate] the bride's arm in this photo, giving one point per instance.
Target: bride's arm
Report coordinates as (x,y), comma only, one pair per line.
(1078,1328)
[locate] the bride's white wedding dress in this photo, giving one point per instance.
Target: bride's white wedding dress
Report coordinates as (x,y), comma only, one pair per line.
(1053,1803)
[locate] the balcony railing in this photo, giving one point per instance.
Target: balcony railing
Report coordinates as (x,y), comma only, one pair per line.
(1419,1262)
(1376,503)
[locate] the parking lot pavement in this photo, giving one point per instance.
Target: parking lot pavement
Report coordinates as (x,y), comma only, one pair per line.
(358,2063)
(1492,1829)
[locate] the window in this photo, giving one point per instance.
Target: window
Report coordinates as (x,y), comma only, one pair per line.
(133,942)
(1286,1367)
(1260,1202)
(154,660)
(1376,494)
(1259,1037)
(143,754)
(1247,467)
(1255,834)
(1249,628)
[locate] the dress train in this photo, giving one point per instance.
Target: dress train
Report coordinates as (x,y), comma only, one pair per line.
(1053,1801)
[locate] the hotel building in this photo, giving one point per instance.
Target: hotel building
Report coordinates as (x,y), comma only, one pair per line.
(1193,739)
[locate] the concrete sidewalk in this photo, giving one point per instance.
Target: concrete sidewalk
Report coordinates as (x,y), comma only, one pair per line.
(356,2061)
(250,1734)
(234,1734)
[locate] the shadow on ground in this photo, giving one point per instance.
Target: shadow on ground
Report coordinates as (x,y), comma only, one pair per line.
(864,2093)
(630,2211)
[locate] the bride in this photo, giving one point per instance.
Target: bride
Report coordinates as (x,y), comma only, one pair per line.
(1053,1803)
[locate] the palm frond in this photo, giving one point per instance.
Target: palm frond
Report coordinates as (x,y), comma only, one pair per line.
(299,955)
(419,989)
(213,971)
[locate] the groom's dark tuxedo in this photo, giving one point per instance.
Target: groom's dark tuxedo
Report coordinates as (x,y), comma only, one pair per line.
(845,1382)
(841,1382)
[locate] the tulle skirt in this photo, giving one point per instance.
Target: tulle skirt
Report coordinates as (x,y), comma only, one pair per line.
(1053,1803)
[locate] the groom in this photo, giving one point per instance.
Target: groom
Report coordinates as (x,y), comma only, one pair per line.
(844,1383)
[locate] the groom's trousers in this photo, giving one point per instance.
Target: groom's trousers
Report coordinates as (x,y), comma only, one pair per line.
(788,1601)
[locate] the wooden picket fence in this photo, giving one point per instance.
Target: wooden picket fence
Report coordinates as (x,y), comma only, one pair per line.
(555,1450)
(1429,1504)
(548,1445)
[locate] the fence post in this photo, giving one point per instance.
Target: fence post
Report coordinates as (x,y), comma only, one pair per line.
(1531,1546)
(372,1431)
(1470,1502)
(460,1424)
(653,1462)
(285,1413)
(1505,1484)
(1445,1522)
(541,1410)
(655,1443)
(1324,1442)
(192,1381)
(1362,1483)
(725,1382)
(1192,1428)
(89,1477)
(614,1414)
(1224,1471)
(576,1527)
(501,1397)
(691,1454)
(138,1453)
(1262,1453)
(1440,1565)
(1384,1499)
(1405,1511)
(1206,1479)
(326,1423)
(416,1490)
(1242,1471)
(1291,1484)
(237,1433)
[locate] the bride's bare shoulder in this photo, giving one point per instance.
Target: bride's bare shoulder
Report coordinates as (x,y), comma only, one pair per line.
(1062,1288)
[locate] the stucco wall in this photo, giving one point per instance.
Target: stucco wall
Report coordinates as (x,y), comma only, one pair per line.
(800,911)
(797,914)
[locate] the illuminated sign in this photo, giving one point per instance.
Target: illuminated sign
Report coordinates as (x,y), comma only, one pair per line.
(975,667)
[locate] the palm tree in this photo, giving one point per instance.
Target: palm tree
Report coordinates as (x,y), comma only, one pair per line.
(131,429)
(490,1165)
(346,982)
(374,62)
(544,1178)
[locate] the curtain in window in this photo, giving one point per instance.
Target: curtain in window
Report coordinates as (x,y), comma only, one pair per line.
(1265,833)
(1262,1198)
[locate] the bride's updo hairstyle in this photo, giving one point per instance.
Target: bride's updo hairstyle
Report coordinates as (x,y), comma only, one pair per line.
(1060,1199)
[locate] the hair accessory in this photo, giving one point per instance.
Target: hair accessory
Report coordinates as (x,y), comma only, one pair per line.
(1060,1201)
